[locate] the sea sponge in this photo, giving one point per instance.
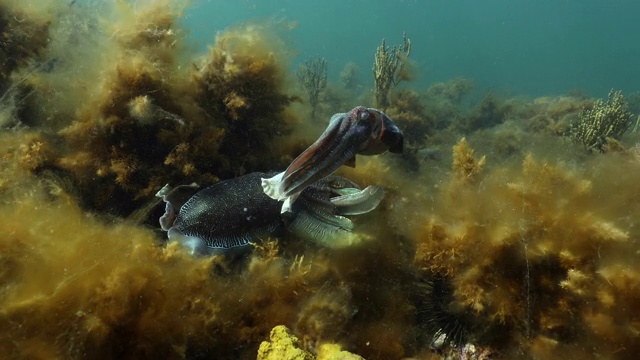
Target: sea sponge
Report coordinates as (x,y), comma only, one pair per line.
(286,346)
(283,345)
(335,352)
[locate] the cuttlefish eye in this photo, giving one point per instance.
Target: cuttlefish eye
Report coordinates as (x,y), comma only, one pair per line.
(364,115)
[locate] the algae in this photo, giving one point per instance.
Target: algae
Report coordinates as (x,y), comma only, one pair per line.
(511,242)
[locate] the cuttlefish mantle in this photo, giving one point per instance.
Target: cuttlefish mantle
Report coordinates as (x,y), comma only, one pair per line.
(229,215)
(364,131)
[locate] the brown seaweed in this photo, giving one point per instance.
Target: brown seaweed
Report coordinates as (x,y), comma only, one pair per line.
(513,243)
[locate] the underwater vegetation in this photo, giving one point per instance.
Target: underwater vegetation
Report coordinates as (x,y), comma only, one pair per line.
(535,265)
(604,121)
(145,120)
(389,69)
(312,77)
(508,229)
(19,53)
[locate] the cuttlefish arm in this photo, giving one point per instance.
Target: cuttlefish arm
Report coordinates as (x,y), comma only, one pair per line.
(338,144)
(360,131)
(320,214)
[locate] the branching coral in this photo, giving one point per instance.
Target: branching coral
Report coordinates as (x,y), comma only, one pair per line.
(390,67)
(605,120)
(312,77)
(283,345)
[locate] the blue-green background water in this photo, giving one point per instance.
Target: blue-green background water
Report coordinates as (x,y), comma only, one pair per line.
(531,47)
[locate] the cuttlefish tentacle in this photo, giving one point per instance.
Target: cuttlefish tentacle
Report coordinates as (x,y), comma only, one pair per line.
(320,214)
(360,131)
(359,202)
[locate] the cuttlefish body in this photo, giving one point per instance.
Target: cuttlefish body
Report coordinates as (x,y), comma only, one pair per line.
(363,131)
(232,213)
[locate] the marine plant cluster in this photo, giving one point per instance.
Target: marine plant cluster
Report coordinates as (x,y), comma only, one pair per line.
(144,117)
(502,235)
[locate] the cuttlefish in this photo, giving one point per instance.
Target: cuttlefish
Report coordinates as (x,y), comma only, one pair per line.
(231,214)
(363,131)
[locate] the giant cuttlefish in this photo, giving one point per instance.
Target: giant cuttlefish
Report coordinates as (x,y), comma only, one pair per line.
(230,214)
(363,131)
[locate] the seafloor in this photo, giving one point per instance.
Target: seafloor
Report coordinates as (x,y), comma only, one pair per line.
(506,231)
